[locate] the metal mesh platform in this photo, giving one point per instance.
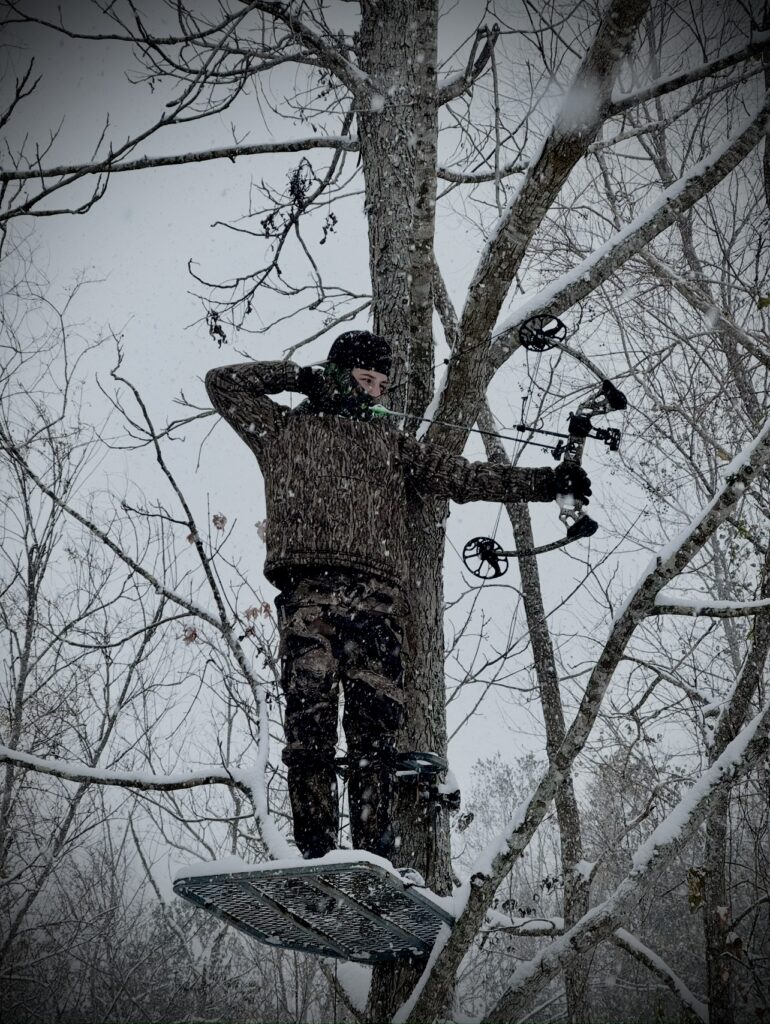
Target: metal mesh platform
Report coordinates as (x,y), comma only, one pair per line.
(353,910)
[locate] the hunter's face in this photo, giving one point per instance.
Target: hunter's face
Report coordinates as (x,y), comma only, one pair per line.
(374,384)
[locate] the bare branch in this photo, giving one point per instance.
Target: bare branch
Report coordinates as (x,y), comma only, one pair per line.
(114,165)
(667,85)
(704,304)
(159,587)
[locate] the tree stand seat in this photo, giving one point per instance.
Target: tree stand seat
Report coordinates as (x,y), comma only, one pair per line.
(340,905)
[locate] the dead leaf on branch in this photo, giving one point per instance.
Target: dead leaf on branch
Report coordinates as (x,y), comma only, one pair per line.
(255,611)
(190,634)
(219,521)
(695,879)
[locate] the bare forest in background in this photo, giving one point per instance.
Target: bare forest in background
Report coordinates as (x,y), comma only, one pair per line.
(603,162)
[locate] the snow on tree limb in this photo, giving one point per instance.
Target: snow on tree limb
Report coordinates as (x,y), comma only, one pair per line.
(82,773)
(458,84)
(630,944)
(583,279)
(249,783)
(674,832)
(516,166)
(672,605)
(575,127)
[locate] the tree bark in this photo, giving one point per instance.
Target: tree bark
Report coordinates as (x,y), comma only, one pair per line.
(398,133)
(717,910)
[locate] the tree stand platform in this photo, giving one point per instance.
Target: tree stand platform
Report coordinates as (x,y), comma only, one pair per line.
(352,909)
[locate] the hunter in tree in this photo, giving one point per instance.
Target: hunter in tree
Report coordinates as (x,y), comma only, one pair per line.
(337,473)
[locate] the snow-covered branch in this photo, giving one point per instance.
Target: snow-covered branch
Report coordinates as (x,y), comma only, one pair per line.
(668,604)
(513,167)
(82,773)
(583,279)
(459,83)
(530,926)
(668,838)
(630,944)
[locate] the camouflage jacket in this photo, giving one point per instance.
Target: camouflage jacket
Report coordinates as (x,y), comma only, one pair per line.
(338,490)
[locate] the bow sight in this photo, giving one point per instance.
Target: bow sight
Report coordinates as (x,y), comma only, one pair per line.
(483,556)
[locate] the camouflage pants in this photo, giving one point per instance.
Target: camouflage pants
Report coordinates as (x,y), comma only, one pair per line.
(340,627)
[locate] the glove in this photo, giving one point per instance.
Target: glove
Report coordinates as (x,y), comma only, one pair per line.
(313,383)
(571,479)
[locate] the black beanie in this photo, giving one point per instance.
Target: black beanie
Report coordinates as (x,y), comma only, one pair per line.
(361,349)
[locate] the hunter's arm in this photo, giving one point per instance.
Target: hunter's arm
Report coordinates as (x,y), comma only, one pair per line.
(433,471)
(239,394)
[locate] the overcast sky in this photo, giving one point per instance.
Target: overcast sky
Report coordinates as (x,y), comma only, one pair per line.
(136,244)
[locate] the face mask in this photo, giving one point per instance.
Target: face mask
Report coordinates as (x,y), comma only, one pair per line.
(349,399)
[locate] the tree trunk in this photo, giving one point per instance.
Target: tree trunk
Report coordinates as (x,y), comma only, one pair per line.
(576,886)
(716,914)
(397,49)
(717,909)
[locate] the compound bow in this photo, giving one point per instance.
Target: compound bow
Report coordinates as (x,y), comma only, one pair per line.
(483,556)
